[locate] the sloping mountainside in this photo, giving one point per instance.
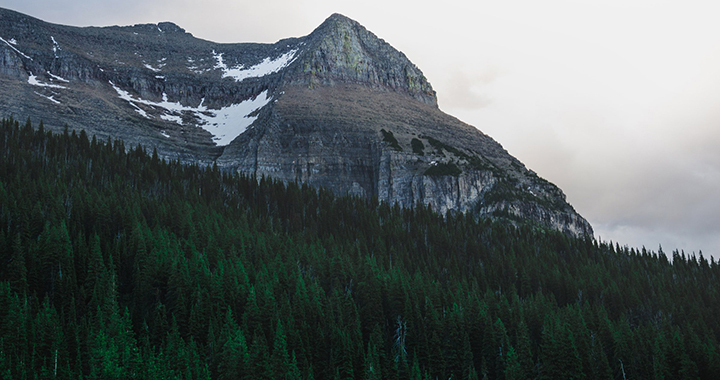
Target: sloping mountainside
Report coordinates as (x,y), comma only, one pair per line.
(117,265)
(339,108)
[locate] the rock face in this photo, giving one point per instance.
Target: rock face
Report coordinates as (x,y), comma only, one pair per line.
(339,108)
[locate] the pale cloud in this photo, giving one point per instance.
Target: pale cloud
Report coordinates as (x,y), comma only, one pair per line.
(468,88)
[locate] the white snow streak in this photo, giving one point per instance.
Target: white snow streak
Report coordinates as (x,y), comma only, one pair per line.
(173,118)
(32,79)
(126,96)
(225,124)
(161,64)
(13,47)
(50,98)
(13,41)
(266,67)
(56,46)
(151,68)
(58,77)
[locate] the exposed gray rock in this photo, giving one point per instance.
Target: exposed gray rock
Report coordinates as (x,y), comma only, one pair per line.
(337,108)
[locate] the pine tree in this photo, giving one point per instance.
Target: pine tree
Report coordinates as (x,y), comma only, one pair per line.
(17,269)
(559,356)
(234,361)
(259,354)
(372,367)
(280,359)
(513,369)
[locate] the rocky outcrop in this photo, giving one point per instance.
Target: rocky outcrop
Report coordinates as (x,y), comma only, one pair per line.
(339,108)
(343,51)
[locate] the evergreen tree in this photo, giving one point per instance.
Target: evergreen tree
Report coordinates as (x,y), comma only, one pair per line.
(513,368)
(559,356)
(119,264)
(280,359)
(235,357)
(373,370)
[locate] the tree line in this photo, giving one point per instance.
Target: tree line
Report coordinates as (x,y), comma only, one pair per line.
(117,264)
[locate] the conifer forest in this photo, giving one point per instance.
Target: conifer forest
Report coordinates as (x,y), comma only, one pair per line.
(117,264)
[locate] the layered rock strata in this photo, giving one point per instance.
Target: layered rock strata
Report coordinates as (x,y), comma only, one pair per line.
(339,108)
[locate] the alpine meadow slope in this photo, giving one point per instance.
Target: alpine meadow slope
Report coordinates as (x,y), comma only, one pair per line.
(339,108)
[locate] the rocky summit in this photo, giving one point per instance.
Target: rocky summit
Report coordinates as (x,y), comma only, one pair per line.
(338,108)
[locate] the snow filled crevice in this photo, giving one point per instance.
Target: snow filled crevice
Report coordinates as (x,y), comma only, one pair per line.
(12,44)
(32,79)
(173,118)
(225,124)
(50,98)
(56,46)
(266,67)
(149,67)
(57,77)
(160,65)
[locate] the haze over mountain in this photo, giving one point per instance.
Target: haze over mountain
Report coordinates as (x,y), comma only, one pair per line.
(339,108)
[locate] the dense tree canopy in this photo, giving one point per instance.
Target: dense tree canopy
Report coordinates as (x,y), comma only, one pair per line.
(117,264)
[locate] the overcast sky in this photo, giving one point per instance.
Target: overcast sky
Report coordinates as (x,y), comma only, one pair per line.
(615,101)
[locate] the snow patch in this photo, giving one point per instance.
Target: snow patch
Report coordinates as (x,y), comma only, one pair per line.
(141,111)
(160,65)
(126,96)
(56,46)
(152,68)
(266,67)
(50,98)
(173,118)
(33,81)
(225,124)
(56,77)
(164,134)
(13,47)
(195,68)
(229,122)
(13,41)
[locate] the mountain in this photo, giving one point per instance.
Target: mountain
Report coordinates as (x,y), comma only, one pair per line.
(117,265)
(339,108)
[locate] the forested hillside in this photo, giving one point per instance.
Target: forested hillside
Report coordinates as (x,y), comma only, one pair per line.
(115,264)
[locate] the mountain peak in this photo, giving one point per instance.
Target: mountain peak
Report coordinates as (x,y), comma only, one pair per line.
(337,17)
(339,108)
(337,20)
(341,50)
